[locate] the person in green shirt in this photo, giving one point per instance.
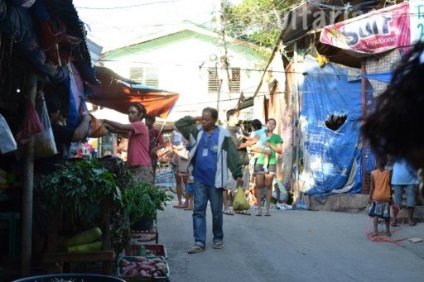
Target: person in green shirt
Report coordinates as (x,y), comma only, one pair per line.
(263,178)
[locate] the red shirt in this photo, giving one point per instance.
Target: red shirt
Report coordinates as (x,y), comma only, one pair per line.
(138,145)
(155,139)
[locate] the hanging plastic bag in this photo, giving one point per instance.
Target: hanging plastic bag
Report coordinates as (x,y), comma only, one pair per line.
(240,202)
(76,97)
(165,176)
(31,124)
(44,143)
(301,205)
(97,128)
(7,142)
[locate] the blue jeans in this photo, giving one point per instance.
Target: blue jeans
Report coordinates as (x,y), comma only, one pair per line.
(409,192)
(203,193)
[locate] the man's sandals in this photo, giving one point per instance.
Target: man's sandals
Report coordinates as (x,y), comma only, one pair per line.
(196,249)
(267,213)
(228,212)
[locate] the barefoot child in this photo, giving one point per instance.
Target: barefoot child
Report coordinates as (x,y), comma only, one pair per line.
(190,193)
(380,195)
(259,135)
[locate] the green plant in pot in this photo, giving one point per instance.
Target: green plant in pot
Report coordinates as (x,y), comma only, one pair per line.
(120,225)
(142,201)
(77,189)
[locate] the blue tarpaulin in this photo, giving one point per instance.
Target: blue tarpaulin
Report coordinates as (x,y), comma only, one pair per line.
(382,76)
(332,158)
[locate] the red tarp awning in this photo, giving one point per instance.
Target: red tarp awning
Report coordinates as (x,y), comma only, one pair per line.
(117,93)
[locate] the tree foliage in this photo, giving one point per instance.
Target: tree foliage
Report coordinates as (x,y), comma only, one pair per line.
(258,21)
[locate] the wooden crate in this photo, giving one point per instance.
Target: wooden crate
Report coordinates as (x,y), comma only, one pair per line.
(150,249)
(142,279)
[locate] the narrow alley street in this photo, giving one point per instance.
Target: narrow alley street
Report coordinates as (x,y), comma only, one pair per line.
(291,245)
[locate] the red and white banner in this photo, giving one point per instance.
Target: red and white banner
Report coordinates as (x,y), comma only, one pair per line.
(375,32)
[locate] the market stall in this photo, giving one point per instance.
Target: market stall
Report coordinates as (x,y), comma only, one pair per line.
(43,51)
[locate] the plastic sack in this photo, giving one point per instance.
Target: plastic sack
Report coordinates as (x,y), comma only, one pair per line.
(240,202)
(31,124)
(44,144)
(284,196)
(7,142)
(165,177)
(97,128)
(301,205)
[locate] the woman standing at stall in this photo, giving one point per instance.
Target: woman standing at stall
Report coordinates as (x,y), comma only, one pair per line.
(138,157)
(262,178)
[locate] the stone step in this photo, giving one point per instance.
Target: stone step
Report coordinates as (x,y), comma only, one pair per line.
(354,203)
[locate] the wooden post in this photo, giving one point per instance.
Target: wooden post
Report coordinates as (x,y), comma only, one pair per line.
(365,177)
(26,246)
(296,119)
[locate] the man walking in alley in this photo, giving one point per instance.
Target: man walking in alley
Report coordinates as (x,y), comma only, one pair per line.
(237,135)
(212,154)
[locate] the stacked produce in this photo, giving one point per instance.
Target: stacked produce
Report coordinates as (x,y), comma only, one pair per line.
(86,241)
(143,267)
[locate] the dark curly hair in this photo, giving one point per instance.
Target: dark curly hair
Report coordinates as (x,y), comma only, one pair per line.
(392,128)
(140,108)
(256,124)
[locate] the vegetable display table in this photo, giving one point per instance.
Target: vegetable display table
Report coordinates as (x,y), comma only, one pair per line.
(12,219)
(106,255)
(146,236)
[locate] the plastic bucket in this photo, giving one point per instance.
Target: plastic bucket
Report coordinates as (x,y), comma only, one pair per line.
(76,277)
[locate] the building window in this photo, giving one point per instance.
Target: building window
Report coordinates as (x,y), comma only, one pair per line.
(137,74)
(235,80)
(145,75)
(214,81)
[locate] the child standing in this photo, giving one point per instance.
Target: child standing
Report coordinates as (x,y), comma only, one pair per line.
(380,195)
(190,193)
(259,134)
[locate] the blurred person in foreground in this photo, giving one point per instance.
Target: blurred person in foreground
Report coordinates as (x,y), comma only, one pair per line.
(212,154)
(391,129)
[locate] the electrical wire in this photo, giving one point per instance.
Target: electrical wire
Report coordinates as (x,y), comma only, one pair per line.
(244,69)
(263,94)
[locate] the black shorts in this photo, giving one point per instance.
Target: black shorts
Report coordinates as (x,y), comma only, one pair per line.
(259,169)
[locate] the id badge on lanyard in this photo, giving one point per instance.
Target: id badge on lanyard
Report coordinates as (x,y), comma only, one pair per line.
(206,147)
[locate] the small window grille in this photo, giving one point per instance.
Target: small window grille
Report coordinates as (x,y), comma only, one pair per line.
(137,74)
(145,75)
(214,81)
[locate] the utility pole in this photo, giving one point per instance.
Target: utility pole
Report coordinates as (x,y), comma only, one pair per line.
(223,64)
(27,199)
